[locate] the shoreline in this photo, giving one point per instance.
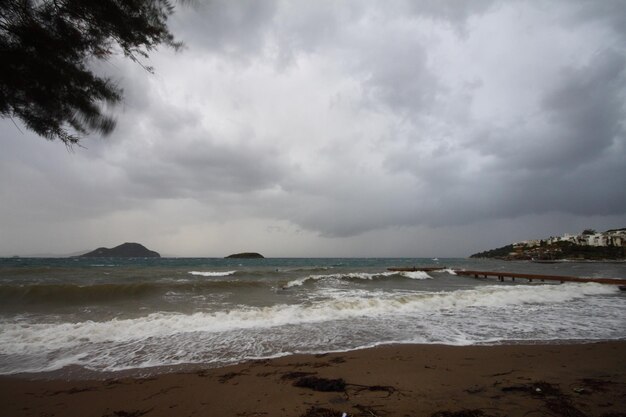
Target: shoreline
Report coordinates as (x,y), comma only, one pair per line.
(80,373)
(395,380)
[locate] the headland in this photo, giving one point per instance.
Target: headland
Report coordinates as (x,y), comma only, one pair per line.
(586,246)
(125,250)
(245,255)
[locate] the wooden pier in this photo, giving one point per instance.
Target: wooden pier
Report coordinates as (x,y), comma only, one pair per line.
(531,277)
(414,269)
(513,275)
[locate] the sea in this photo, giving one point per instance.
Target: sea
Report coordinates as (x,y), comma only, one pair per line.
(111,314)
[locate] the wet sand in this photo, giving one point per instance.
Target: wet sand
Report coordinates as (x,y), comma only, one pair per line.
(400,380)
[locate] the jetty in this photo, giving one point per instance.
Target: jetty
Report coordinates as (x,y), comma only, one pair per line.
(414,269)
(500,275)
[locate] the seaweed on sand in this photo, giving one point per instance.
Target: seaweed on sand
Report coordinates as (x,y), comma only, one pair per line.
(295,375)
(228,376)
(554,399)
(320,412)
(460,413)
(386,388)
(321,384)
(540,388)
(124,413)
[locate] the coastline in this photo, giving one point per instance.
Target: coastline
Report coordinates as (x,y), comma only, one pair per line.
(582,379)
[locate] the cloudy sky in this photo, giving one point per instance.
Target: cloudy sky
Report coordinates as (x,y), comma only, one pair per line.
(342,128)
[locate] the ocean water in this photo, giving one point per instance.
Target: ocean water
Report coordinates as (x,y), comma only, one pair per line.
(120,314)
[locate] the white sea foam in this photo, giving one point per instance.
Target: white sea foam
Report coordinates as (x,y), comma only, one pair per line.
(337,319)
(416,275)
(22,337)
(356,275)
(212,273)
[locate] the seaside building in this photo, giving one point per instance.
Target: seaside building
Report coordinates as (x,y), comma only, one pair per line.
(609,238)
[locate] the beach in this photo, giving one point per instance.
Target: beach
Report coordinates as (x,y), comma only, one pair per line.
(583,379)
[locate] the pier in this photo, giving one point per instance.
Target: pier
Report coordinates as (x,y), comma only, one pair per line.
(414,269)
(532,277)
(500,275)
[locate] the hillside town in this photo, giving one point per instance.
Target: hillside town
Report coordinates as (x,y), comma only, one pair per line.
(589,237)
(588,245)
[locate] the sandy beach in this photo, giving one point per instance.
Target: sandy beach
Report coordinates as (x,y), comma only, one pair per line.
(396,380)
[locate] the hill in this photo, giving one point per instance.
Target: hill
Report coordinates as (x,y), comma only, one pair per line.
(246,255)
(125,250)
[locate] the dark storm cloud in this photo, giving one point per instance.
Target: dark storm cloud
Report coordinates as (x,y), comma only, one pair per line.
(608,13)
(565,157)
(569,161)
(450,11)
(200,167)
(237,29)
(579,117)
(588,107)
(559,158)
(397,75)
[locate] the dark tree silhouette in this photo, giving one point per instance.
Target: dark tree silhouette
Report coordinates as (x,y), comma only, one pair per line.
(47,47)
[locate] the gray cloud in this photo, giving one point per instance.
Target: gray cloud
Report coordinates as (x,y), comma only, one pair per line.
(397,75)
(449,11)
(588,107)
(199,166)
(234,29)
(608,14)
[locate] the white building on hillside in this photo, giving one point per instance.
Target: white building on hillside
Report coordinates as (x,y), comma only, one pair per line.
(610,238)
(597,239)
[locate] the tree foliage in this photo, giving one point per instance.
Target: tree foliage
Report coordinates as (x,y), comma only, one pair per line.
(48,46)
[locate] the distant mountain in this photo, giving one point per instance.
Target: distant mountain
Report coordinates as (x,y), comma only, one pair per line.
(125,250)
(246,255)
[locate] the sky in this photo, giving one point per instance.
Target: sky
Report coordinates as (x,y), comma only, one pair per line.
(341,128)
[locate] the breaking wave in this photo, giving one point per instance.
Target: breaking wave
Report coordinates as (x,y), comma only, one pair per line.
(21,337)
(357,276)
(213,273)
(69,294)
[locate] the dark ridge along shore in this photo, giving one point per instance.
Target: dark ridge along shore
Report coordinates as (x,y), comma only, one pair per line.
(245,255)
(576,380)
(125,250)
(560,251)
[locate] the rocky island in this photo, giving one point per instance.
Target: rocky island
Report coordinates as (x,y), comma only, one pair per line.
(588,245)
(246,255)
(125,250)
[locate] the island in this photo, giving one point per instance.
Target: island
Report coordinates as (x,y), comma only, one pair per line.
(245,255)
(125,250)
(588,246)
